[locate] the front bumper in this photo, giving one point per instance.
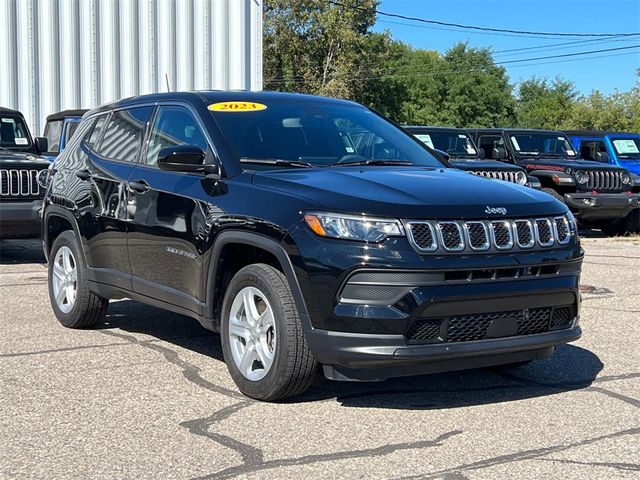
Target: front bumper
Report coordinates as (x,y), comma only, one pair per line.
(589,205)
(363,302)
(376,358)
(20,219)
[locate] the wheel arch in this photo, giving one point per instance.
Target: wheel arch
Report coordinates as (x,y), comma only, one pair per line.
(215,271)
(55,221)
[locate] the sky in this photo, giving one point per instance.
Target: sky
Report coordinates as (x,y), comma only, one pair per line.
(605,71)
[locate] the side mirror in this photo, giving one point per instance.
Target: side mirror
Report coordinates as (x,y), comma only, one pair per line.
(602,157)
(42,144)
(499,153)
(184,158)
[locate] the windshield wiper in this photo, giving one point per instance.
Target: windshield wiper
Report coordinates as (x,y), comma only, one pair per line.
(373,162)
(277,161)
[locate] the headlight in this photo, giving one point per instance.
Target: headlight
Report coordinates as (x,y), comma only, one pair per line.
(521,178)
(351,227)
(626,178)
(581,177)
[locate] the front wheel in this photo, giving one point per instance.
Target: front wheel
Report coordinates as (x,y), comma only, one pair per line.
(262,339)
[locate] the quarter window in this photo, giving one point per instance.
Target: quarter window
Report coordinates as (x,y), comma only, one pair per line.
(53,131)
(97,131)
(123,136)
(174,125)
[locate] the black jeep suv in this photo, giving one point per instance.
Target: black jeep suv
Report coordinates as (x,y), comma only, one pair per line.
(600,195)
(259,215)
(20,168)
(463,154)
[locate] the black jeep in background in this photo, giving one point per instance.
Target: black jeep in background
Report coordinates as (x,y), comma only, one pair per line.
(20,166)
(600,195)
(463,154)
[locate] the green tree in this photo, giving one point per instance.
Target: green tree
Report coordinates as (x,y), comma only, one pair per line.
(544,104)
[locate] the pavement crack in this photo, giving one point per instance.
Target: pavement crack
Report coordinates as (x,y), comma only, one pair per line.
(189,371)
(200,426)
(633,467)
(524,455)
(328,457)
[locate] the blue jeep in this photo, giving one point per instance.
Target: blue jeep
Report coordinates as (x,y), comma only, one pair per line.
(616,148)
(59,129)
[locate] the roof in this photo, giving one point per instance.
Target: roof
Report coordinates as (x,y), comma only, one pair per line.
(213,96)
(596,133)
(430,127)
(9,110)
(514,130)
(66,113)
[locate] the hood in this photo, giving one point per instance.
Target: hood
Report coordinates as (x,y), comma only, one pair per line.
(20,160)
(408,192)
(631,165)
(563,164)
(481,164)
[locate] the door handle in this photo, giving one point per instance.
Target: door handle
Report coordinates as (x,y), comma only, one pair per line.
(139,186)
(83,174)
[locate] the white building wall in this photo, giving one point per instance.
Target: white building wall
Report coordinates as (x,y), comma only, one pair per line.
(60,54)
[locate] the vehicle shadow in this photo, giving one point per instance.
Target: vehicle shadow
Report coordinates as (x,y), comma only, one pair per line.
(570,368)
(21,251)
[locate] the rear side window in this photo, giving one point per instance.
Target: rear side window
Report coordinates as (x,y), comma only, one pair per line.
(123,136)
(488,142)
(53,132)
(589,148)
(97,131)
(174,125)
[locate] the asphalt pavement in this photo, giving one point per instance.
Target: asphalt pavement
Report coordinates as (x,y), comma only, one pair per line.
(147,395)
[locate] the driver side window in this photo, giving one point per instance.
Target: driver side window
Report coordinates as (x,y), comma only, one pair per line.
(174,125)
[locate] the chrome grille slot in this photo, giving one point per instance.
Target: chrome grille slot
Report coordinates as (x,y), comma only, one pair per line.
(19,183)
(561,230)
(422,235)
(544,232)
(477,236)
(524,233)
(501,235)
(451,236)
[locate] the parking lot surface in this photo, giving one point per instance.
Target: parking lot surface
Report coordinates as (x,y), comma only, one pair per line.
(147,395)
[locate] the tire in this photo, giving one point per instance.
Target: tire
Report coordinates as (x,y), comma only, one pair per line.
(87,309)
(628,225)
(292,367)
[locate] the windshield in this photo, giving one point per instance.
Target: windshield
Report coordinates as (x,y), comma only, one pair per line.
(286,134)
(627,148)
(545,144)
(454,143)
(13,132)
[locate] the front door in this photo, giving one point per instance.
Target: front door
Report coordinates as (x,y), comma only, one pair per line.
(168,215)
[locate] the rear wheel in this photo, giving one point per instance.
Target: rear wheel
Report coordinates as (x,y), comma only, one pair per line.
(262,339)
(73,303)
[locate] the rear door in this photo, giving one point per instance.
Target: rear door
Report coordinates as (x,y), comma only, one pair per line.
(168,215)
(111,152)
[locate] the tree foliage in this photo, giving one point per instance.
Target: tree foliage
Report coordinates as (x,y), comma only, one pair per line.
(313,46)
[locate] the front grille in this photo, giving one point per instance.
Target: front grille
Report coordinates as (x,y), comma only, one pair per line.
(604,180)
(505,175)
(488,235)
(19,183)
(479,326)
